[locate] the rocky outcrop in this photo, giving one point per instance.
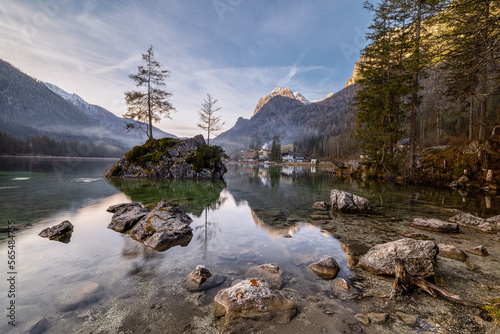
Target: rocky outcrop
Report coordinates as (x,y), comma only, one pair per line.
(327,268)
(60,232)
(343,201)
(468,220)
(164,227)
(419,257)
(166,158)
(435,225)
(126,215)
(251,300)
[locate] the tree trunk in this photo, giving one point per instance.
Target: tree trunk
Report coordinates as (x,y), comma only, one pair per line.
(471,118)
(414,94)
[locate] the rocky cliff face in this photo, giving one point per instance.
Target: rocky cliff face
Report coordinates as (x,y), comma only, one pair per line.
(169,158)
(286,92)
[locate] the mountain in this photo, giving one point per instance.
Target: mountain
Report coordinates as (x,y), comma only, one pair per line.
(29,107)
(291,119)
(107,119)
(285,92)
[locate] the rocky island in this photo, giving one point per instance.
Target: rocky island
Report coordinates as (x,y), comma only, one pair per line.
(171,158)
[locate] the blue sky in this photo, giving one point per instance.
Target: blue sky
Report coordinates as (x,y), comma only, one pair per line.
(236,50)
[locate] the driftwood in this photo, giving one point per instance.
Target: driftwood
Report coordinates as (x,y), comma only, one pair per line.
(404,282)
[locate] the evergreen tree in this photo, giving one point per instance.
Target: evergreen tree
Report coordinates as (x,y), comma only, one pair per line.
(209,122)
(275,155)
(471,57)
(147,106)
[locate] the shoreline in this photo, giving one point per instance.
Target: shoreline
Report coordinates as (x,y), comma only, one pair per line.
(55,157)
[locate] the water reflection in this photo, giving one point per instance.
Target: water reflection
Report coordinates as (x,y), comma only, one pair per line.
(193,196)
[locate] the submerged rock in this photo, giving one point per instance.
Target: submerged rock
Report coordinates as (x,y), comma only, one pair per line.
(343,201)
(60,232)
(81,295)
(320,206)
(451,252)
(126,215)
(268,272)
(326,268)
(435,225)
(251,300)
(419,257)
(468,220)
(163,227)
(479,250)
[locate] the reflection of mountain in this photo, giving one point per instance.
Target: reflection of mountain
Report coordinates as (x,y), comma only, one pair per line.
(192,196)
(275,231)
(65,184)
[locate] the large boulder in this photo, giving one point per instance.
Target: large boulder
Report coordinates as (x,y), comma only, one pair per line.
(126,215)
(419,257)
(435,225)
(60,232)
(251,300)
(468,220)
(81,295)
(343,201)
(164,227)
(326,268)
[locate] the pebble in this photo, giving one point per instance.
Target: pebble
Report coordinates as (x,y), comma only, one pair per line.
(378,318)
(408,319)
(362,318)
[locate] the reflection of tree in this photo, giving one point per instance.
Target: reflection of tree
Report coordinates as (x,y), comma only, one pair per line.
(190,195)
(209,227)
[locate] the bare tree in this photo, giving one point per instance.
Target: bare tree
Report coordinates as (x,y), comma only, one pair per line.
(149,105)
(209,121)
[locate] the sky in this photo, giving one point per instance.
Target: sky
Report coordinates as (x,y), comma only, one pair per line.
(236,50)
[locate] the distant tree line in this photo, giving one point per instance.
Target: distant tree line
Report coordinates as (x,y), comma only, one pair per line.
(43,145)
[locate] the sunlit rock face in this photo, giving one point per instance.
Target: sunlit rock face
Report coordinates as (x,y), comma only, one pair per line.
(286,92)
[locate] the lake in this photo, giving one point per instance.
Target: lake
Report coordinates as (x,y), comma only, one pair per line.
(256,215)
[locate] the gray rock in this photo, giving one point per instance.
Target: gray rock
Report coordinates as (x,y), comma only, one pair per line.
(126,215)
(163,228)
(343,290)
(452,252)
(409,319)
(479,250)
(327,268)
(37,326)
(320,206)
(200,274)
(201,279)
(435,225)
(468,220)
(251,300)
(362,318)
(343,201)
(81,295)
(419,257)
(60,232)
(378,318)
(268,272)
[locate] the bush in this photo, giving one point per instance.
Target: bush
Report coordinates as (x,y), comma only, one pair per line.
(208,157)
(152,151)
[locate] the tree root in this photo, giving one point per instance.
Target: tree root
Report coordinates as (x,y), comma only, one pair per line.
(404,282)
